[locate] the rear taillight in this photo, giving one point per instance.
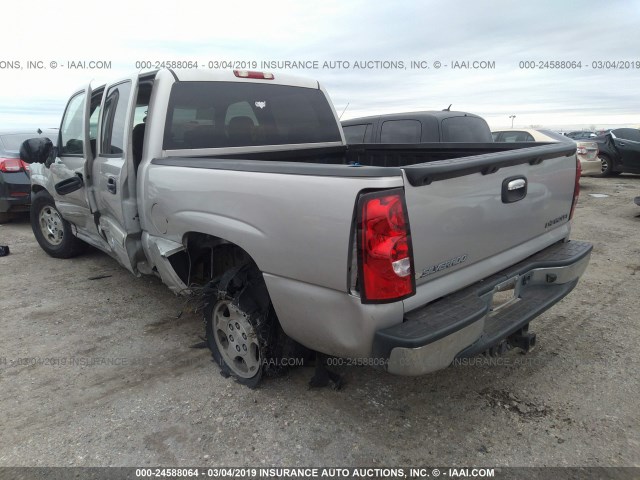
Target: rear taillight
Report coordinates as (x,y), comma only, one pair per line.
(576,188)
(253,74)
(385,260)
(11,165)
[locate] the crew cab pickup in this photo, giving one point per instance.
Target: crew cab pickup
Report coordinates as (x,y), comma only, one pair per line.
(418,127)
(239,186)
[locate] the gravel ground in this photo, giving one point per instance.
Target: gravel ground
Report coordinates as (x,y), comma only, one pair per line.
(133,392)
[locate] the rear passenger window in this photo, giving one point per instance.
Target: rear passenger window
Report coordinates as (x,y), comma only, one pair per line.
(628,134)
(355,133)
(466,129)
(114,119)
(401,131)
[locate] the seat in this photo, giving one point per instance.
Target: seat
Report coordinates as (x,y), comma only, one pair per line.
(240,131)
(137,142)
(203,136)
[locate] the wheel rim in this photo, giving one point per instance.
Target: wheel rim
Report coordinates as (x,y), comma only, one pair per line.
(604,164)
(236,339)
(51,225)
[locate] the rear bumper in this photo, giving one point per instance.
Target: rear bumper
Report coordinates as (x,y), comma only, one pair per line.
(467,323)
(15,188)
(591,167)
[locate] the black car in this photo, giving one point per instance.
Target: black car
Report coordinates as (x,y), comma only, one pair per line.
(619,151)
(582,135)
(15,184)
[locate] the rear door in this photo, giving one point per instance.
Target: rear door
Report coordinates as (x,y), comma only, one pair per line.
(627,142)
(466,210)
(113,183)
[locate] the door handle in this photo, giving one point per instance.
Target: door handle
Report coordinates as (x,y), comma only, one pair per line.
(111,185)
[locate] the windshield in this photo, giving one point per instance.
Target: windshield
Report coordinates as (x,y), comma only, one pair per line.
(234,114)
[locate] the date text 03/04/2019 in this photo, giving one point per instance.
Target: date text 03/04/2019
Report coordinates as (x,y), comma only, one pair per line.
(579,65)
(314,472)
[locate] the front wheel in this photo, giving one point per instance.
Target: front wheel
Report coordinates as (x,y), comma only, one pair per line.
(52,232)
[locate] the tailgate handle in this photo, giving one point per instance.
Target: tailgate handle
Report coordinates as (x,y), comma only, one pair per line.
(516,184)
(514,189)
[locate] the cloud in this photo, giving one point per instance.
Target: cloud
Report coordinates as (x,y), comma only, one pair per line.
(500,31)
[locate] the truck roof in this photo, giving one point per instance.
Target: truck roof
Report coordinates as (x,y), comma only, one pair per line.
(199,75)
(420,115)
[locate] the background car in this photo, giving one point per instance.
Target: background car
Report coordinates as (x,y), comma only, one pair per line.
(581,135)
(619,151)
(417,127)
(15,184)
(587,151)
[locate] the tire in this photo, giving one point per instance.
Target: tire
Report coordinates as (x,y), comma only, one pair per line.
(5,217)
(241,328)
(607,166)
(52,232)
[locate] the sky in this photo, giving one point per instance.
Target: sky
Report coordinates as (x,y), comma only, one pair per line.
(561,65)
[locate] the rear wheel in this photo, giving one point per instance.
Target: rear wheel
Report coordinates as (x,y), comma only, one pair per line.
(606,165)
(241,328)
(52,232)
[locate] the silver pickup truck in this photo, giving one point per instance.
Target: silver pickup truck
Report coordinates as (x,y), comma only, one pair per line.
(239,184)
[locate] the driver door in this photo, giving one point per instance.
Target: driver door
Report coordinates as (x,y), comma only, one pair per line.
(73,153)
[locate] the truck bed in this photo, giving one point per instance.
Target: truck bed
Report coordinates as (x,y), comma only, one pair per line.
(373,160)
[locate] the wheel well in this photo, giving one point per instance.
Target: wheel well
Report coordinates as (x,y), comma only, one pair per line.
(206,257)
(37,188)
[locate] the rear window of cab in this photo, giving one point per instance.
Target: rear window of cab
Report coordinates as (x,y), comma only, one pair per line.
(235,114)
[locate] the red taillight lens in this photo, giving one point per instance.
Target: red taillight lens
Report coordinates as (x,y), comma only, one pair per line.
(11,165)
(252,74)
(384,248)
(576,188)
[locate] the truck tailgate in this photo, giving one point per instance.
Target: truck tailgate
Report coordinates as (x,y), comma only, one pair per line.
(466,210)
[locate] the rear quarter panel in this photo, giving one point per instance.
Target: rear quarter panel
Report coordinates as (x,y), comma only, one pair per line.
(294,226)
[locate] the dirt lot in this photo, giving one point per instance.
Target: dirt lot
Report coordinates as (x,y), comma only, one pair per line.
(132,392)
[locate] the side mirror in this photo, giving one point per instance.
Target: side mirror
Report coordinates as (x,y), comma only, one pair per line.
(69,185)
(36,150)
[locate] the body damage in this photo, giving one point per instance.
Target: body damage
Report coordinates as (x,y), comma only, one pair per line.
(293,213)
